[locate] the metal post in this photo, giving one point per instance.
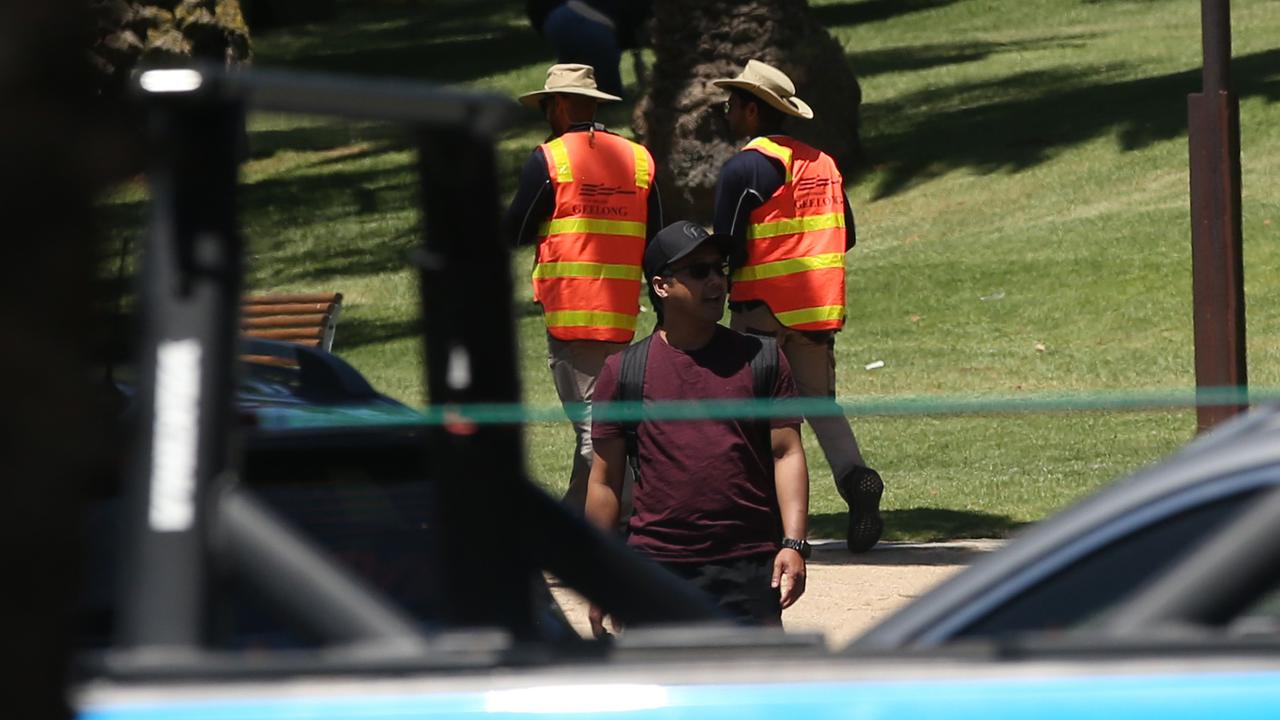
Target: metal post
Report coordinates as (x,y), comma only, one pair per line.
(484,563)
(189,294)
(1217,264)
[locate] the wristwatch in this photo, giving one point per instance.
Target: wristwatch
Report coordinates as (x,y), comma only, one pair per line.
(800,546)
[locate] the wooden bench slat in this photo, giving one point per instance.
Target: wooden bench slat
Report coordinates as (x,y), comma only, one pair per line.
(286,309)
(286,298)
(269,360)
(269,321)
(305,333)
(302,318)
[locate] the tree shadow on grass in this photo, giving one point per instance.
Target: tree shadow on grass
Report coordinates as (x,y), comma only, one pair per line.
(871,11)
(330,135)
(1028,118)
(358,332)
(419,46)
(923,57)
(897,555)
(412,49)
(923,524)
(313,228)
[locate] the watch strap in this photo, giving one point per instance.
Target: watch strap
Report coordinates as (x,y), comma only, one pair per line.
(800,546)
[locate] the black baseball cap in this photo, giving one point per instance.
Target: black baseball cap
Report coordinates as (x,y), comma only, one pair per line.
(676,241)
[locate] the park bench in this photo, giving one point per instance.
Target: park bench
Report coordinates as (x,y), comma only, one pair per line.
(304,318)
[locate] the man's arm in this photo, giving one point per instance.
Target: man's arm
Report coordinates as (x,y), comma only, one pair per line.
(654,221)
(532,203)
(604,493)
(850,233)
(604,484)
(791,478)
(746,181)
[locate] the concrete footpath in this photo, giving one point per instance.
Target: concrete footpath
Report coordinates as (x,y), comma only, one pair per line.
(847,593)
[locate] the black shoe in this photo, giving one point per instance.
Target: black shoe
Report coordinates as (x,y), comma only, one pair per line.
(861,488)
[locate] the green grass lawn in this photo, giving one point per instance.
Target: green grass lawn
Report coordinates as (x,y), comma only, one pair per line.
(1023,227)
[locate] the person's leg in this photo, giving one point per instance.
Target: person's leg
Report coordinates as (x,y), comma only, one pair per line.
(813,366)
(574,367)
(813,363)
(578,39)
(740,587)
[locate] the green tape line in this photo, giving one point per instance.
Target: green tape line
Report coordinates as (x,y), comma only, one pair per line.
(516,413)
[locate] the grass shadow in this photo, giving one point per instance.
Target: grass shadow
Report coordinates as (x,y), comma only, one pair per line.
(904,554)
(335,206)
(1025,119)
(453,42)
(871,11)
(910,58)
(333,135)
(923,524)
(356,333)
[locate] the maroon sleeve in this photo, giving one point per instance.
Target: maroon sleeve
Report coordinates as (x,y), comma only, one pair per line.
(784,388)
(606,389)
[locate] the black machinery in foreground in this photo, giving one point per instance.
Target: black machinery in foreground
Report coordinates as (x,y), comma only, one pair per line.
(185,511)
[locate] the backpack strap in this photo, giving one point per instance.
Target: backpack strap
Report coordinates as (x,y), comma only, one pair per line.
(764,366)
(630,389)
(764,377)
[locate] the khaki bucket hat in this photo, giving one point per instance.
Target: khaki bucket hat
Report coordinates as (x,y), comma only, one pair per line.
(771,85)
(568,79)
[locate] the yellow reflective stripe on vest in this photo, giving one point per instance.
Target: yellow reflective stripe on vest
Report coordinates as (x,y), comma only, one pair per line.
(592,226)
(596,271)
(782,152)
(792,318)
(791,226)
(642,166)
(590,318)
(788,267)
(560,157)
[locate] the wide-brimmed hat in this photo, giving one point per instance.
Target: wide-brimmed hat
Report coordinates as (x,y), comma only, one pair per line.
(568,79)
(770,85)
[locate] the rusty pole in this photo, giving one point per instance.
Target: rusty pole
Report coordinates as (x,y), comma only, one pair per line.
(1217,263)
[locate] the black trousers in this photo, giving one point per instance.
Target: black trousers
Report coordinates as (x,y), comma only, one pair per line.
(739,586)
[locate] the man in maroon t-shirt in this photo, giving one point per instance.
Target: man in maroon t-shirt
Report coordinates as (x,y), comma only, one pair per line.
(723,503)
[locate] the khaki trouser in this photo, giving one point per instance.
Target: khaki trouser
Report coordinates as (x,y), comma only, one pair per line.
(575,365)
(812,359)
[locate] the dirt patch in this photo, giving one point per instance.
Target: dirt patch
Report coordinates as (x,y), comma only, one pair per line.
(849,593)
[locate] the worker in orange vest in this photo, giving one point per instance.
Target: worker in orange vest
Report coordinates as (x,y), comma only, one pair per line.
(587,197)
(784,205)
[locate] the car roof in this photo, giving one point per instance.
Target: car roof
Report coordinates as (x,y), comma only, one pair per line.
(1222,462)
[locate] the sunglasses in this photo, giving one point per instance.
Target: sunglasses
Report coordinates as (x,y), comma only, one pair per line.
(703,270)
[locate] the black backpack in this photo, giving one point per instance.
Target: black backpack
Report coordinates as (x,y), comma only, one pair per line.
(764,375)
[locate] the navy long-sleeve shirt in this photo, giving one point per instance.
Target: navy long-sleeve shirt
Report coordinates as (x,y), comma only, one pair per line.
(746,181)
(534,201)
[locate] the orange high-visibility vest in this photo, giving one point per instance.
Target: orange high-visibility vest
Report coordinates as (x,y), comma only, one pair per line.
(796,240)
(587,274)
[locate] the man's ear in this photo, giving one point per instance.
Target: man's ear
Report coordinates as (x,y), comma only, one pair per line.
(659,286)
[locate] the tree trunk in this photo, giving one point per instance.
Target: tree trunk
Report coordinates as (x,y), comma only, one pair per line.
(160,32)
(695,42)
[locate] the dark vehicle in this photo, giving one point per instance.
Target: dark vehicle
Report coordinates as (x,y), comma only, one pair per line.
(282,386)
(1068,572)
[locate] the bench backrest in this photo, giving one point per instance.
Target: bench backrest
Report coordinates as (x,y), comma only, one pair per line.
(304,318)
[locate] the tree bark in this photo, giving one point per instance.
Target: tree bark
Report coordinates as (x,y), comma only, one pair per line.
(160,32)
(696,42)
